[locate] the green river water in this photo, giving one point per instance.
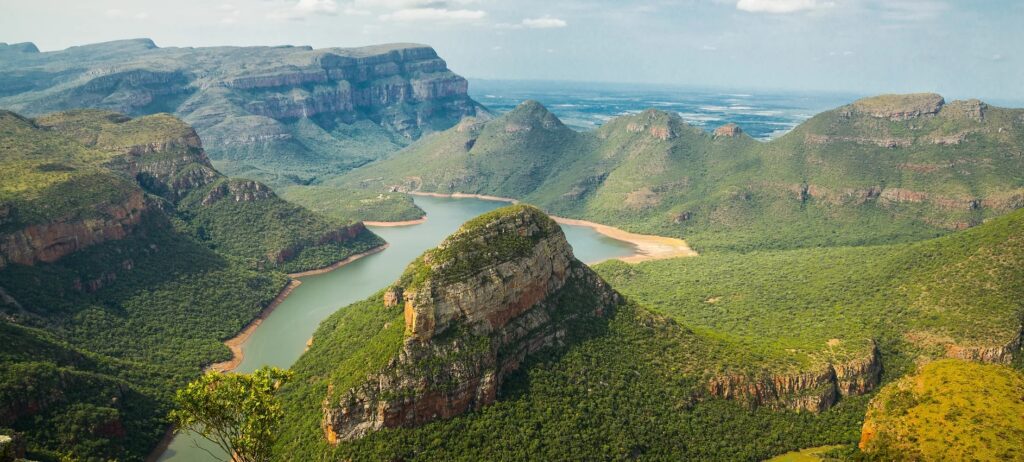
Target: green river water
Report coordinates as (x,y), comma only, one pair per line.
(282,336)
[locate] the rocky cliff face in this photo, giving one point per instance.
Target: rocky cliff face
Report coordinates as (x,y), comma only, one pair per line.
(475,308)
(49,242)
(815,390)
(246,101)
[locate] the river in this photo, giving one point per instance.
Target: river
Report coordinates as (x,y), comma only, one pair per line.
(282,336)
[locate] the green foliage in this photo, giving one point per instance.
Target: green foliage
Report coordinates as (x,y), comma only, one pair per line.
(96,342)
(948,410)
(271,232)
(623,388)
(239,413)
(488,239)
(349,205)
(788,309)
(827,183)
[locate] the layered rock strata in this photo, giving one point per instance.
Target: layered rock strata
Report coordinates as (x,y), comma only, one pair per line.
(475,309)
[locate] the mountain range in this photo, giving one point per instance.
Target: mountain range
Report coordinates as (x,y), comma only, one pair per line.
(859,278)
(283,115)
(882,169)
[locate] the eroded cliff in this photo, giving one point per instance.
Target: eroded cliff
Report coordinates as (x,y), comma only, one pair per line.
(474,309)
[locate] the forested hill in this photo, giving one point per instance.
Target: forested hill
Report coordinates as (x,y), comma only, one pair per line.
(890,168)
(284,115)
(125,260)
(721,357)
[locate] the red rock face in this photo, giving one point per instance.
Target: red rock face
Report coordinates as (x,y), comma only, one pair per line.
(728,131)
(504,305)
(813,391)
(50,242)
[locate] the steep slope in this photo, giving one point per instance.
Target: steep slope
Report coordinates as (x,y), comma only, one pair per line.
(500,345)
(125,260)
(283,114)
(948,410)
(791,314)
(884,169)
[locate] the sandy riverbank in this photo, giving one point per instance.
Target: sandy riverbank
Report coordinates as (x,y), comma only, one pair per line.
(235,343)
(388,224)
(648,247)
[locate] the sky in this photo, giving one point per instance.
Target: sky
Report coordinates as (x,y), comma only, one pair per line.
(960,48)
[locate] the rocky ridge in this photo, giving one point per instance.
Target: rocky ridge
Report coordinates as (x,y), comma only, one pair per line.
(475,308)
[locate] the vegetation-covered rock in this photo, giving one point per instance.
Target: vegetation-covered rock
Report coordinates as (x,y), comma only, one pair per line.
(893,168)
(948,410)
(125,261)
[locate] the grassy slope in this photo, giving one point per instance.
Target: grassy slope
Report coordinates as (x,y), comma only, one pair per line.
(949,410)
(97,368)
(964,289)
(624,386)
(354,204)
(730,193)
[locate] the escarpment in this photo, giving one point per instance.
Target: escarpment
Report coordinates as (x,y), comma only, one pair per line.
(475,309)
(271,108)
(814,390)
(49,242)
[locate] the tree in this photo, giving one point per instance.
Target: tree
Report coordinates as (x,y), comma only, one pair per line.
(237,412)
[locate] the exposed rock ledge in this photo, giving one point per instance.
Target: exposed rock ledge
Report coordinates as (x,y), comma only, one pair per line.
(475,308)
(898,107)
(51,241)
(813,391)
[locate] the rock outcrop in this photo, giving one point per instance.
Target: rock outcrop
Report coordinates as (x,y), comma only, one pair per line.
(729,130)
(898,107)
(475,308)
(815,390)
(246,99)
(49,242)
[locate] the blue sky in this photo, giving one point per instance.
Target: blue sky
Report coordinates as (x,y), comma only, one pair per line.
(961,48)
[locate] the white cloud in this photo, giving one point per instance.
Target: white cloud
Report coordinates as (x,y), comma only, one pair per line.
(115,13)
(118,13)
(546,22)
(410,4)
(780,6)
(305,8)
(433,14)
(142,15)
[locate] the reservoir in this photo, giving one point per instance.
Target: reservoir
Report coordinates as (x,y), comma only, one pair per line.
(282,336)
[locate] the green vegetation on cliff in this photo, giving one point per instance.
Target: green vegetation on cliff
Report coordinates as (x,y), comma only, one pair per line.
(860,174)
(948,410)
(354,204)
(637,384)
(125,261)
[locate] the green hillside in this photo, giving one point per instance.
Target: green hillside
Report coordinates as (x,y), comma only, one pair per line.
(857,175)
(125,261)
(948,410)
(638,383)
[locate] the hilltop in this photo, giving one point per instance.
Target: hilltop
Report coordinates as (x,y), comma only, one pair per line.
(284,114)
(125,260)
(731,357)
(894,168)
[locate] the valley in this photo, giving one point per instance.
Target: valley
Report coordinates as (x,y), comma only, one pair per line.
(338,253)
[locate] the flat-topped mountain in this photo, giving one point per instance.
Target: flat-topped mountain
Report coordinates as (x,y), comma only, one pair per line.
(882,169)
(125,260)
(262,111)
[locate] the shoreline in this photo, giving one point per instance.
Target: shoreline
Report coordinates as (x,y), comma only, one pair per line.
(648,247)
(389,224)
(235,343)
(162,446)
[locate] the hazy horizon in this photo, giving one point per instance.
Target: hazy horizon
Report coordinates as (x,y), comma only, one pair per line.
(958,49)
